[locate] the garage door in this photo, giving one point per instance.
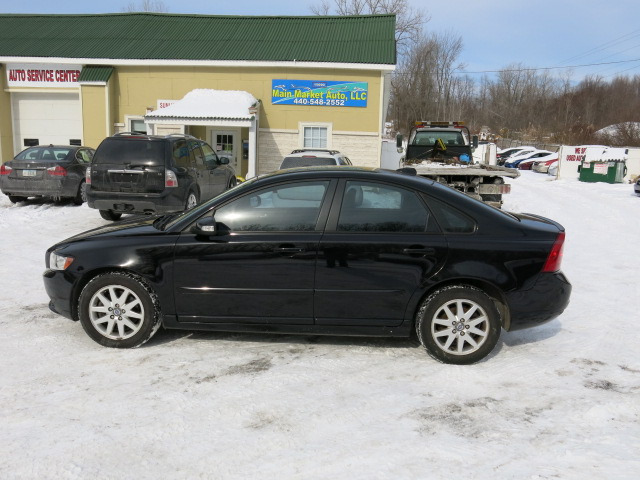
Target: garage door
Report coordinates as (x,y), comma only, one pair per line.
(49,118)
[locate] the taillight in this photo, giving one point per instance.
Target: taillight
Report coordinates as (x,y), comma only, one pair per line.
(57,171)
(5,169)
(555,255)
(87,176)
(170,179)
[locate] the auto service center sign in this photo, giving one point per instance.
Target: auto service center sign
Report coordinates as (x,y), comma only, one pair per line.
(42,75)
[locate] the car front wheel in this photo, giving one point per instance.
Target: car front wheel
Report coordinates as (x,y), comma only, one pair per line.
(119,310)
(458,324)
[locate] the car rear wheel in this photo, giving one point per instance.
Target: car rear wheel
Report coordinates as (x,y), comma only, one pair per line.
(192,200)
(81,195)
(119,310)
(458,324)
(110,215)
(16,198)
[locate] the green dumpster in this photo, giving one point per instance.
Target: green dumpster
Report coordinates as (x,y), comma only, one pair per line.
(609,171)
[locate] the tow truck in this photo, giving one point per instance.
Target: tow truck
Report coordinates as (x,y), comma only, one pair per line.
(443,151)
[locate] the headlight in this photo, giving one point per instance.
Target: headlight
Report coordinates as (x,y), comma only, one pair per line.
(59,262)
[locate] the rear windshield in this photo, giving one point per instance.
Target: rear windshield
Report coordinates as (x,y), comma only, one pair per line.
(44,154)
(292,162)
(130,151)
(430,137)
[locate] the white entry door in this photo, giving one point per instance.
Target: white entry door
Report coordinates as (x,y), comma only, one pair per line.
(226,144)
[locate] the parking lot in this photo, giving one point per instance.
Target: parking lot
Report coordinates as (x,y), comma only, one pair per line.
(557,401)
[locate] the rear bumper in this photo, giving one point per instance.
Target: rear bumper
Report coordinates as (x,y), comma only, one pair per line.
(165,202)
(46,187)
(539,304)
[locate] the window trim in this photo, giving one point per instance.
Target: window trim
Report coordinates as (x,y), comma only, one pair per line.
(128,120)
(327,125)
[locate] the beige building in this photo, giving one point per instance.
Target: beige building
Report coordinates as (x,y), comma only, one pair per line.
(255,88)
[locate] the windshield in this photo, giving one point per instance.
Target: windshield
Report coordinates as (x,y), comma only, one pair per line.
(428,138)
(127,151)
(44,154)
(292,162)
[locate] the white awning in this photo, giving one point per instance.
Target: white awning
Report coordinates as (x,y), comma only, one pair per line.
(208,107)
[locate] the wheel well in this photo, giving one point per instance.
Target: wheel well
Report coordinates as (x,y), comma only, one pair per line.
(491,290)
(75,297)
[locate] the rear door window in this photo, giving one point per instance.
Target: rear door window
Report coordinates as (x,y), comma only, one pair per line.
(376,207)
(181,154)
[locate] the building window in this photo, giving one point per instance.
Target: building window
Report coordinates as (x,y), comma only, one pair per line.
(138,126)
(315,135)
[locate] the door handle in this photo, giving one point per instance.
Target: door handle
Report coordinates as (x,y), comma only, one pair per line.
(288,249)
(419,251)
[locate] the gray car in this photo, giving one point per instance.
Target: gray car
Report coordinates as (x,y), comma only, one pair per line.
(50,171)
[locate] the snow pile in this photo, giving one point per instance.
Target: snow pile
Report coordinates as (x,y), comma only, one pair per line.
(558,401)
(207,103)
(615,129)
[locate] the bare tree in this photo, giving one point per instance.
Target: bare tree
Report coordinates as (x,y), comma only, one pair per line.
(424,86)
(409,21)
(146,6)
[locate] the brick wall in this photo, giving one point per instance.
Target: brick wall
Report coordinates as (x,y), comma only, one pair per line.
(273,146)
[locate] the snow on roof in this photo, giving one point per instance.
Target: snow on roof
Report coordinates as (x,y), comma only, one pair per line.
(207,103)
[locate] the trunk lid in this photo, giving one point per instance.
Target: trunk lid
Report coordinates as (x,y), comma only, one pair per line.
(129,165)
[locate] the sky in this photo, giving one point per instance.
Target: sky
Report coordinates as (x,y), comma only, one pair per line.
(495,33)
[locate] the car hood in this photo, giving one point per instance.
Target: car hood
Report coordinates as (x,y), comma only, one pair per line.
(138,225)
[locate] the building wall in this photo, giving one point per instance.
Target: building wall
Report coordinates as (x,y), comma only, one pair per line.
(94,114)
(139,88)
(6,126)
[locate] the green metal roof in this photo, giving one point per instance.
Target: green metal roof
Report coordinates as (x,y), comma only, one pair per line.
(93,73)
(348,39)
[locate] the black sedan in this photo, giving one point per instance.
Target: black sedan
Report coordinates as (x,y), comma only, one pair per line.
(335,250)
(52,171)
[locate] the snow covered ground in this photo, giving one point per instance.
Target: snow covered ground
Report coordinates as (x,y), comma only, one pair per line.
(559,401)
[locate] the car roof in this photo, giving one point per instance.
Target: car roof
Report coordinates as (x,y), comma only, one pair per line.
(320,152)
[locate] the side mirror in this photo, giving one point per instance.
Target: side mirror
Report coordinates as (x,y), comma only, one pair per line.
(399,143)
(224,161)
(206,226)
(474,140)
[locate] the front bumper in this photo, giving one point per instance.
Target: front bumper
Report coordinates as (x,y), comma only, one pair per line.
(59,287)
(544,301)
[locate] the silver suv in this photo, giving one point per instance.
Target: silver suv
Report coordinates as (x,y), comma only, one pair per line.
(311,157)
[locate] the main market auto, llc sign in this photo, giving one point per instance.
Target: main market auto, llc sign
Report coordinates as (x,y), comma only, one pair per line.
(319,93)
(42,75)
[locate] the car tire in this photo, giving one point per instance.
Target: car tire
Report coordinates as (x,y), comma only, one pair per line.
(458,324)
(110,215)
(16,198)
(81,195)
(119,310)
(232,183)
(192,200)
